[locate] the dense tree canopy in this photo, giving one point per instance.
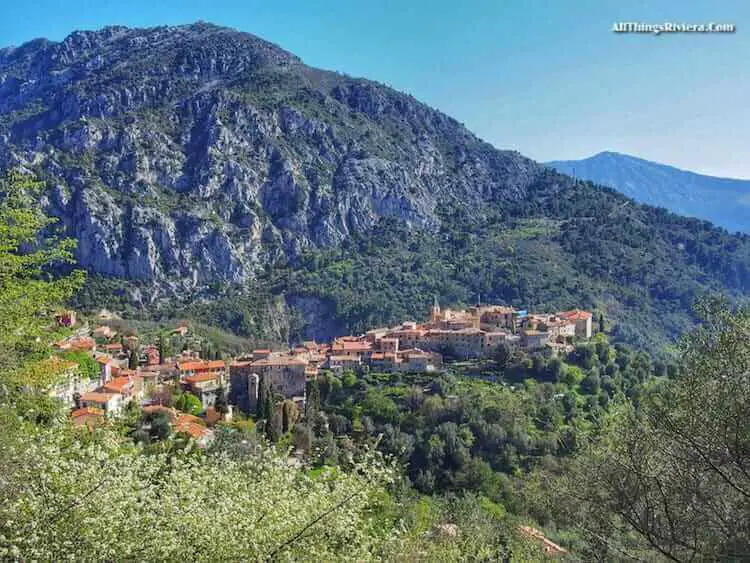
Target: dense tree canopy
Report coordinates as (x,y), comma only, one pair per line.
(672,475)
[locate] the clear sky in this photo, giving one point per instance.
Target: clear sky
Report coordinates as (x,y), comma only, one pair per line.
(546,77)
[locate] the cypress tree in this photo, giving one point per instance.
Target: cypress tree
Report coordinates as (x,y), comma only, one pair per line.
(261,398)
(162,353)
(133,361)
(285,418)
(312,401)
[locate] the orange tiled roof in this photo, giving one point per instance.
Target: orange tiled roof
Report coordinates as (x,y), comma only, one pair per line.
(262,351)
(200,365)
(200,377)
(183,418)
(576,315)
(195,430)
(117,384)
(113,346)
(97,397)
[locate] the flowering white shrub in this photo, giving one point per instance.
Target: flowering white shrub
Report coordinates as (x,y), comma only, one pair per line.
(101,499)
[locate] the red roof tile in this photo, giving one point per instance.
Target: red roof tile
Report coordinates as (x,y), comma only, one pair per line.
(195,430)
(201,377)
(576,315)
(201,366)
(116,385)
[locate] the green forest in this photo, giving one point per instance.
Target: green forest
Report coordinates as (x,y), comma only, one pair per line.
(611,453)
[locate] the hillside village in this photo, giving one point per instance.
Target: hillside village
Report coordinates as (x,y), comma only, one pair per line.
(140,373)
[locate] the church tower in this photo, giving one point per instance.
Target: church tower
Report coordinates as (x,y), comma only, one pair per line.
(435,311)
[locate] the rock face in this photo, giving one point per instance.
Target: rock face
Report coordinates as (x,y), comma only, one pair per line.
(189,155)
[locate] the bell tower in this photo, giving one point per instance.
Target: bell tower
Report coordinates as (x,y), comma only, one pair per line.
(435,311)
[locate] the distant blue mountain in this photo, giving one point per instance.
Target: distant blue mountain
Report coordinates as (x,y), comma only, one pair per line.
(723,201)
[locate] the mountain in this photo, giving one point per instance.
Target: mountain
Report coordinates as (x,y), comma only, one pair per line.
(206,172)
(723,201)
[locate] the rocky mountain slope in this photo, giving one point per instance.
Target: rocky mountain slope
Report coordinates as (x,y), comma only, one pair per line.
(201,153)
(195,160)
(723,201)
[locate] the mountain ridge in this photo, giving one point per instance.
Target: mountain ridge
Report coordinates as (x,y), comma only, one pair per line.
(681,191)
(197,161)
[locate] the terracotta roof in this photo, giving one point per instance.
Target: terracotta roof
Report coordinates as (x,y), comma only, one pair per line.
(189,418)
(262,351)
(243,364)
(98,397)
(195,430)
(116,385)
(200,377)
(104,360)
(378,356)
(113,346)
(87,411)
(576,315)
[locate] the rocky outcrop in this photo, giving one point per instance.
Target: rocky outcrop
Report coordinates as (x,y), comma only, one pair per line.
(187,155)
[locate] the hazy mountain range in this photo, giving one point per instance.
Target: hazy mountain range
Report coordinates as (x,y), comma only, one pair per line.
(723,201)
(198,162)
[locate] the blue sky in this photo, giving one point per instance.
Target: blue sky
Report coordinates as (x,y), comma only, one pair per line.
(547,78)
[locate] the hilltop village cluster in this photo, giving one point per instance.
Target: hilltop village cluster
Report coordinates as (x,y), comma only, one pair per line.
(131,371)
